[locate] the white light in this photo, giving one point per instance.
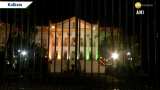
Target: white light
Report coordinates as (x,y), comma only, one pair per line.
(59,56)
(77,56)
(128,53)
(7,62)
(94,28)
(68,57)
(25,59)
(23,53)
(130,59)
(53,27)
(45,56)
(19,50)
(14,56)
(115,56)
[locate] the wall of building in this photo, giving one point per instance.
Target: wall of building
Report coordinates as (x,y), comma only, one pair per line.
(63,61)
(4,33)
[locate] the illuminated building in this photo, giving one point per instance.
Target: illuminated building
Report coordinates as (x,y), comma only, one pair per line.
(62,44)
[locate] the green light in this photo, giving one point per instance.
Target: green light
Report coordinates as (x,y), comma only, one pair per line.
(97,55)
(87,53)
(87,56)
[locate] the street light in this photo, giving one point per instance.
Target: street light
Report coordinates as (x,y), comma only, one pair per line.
(115,56)
(128,53)
(23,53)
(19,50)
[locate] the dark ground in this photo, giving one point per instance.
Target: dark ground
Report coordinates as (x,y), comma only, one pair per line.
(74,81)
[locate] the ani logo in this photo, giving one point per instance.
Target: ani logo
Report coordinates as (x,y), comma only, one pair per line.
(138,6)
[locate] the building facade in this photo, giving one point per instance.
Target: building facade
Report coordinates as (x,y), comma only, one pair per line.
(76,39)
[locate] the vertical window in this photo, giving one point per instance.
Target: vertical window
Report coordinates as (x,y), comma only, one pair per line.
(73,25)
(44,43)
(81,41)
(65,55)
(73,41)
(66,41)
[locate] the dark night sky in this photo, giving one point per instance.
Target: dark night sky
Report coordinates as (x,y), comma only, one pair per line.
(91,10)
(110,12)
